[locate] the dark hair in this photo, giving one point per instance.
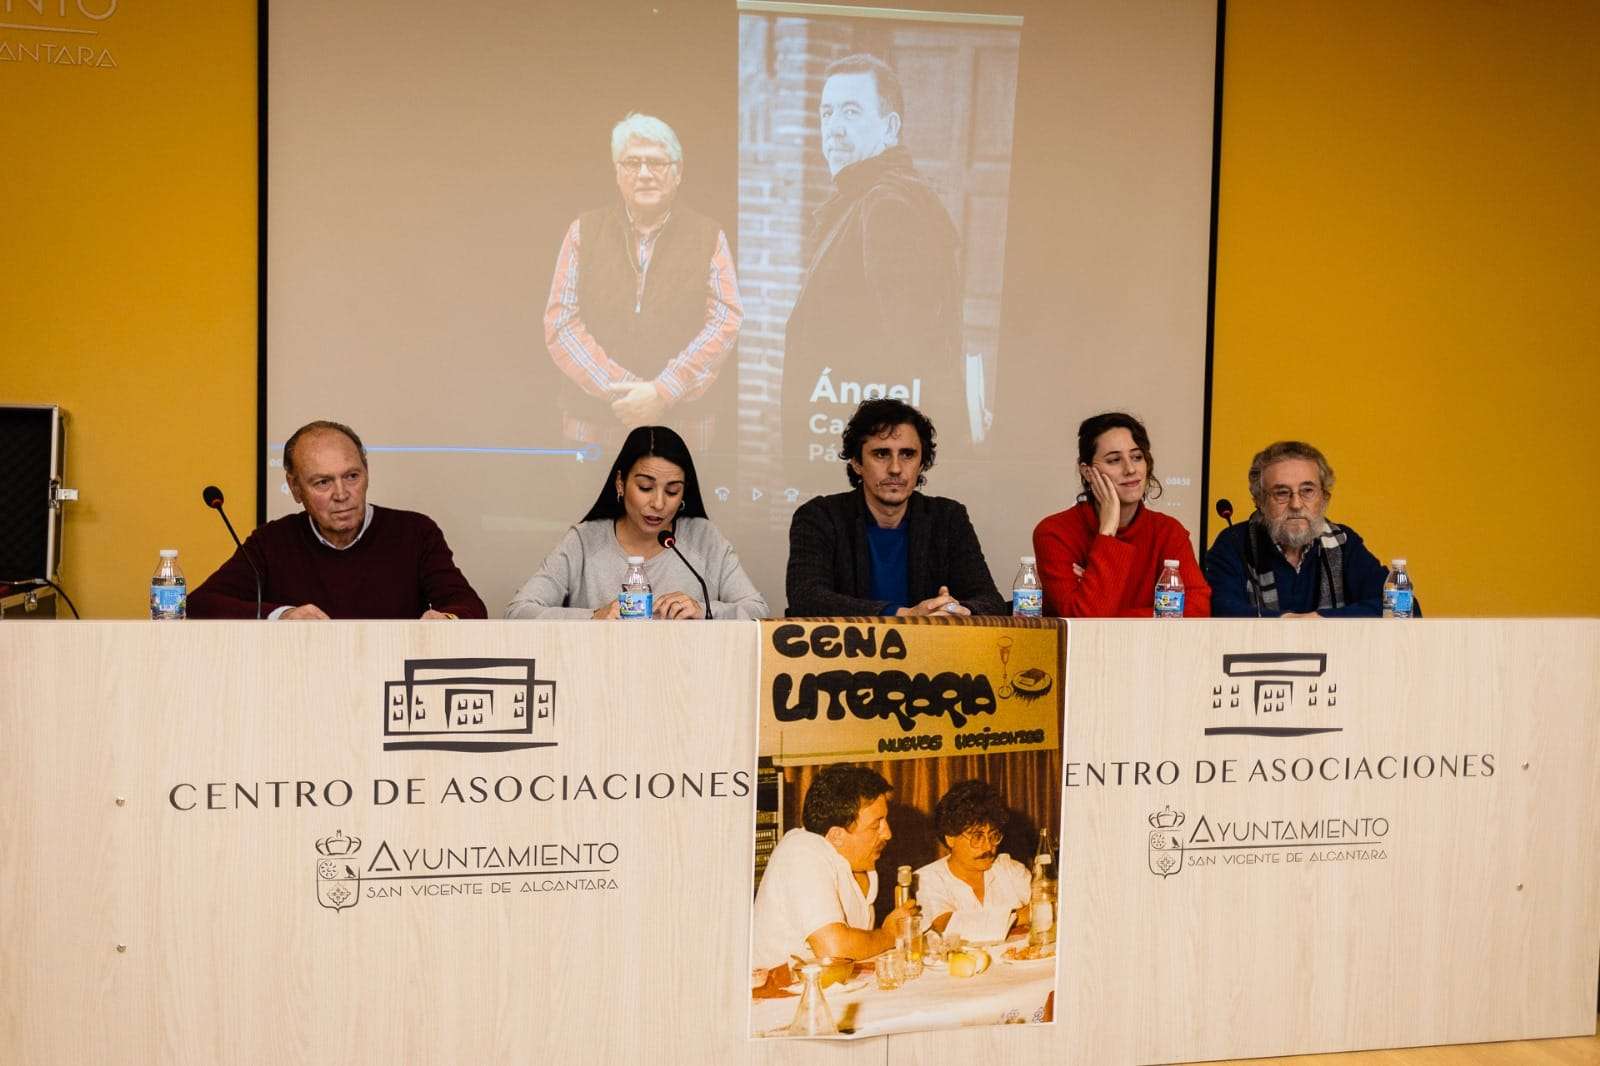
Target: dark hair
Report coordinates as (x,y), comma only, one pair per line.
(1090,431)
(662,443)
(837,795)
(891,97)
(880,416)
(968,805)
(316,427)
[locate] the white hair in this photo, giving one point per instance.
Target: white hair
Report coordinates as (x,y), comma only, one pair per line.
(635,126)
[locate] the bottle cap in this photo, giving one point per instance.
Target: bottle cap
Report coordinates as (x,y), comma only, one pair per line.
(1398,562)
(1029,560)
(169,553)
(1170,562)
(635,560)
(902,875)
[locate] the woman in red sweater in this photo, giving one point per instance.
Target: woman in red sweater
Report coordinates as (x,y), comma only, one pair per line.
(1101,557)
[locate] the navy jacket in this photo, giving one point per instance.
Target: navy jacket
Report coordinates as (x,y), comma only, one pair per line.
(1231,595)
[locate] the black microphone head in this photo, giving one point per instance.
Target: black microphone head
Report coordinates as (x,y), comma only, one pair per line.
(665,538)
(1225,508)
(212,495)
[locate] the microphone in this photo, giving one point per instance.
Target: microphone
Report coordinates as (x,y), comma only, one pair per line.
(213,499)
(1225,509)
(667,540)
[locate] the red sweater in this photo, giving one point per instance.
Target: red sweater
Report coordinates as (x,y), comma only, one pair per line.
(1119,573)
(399,568)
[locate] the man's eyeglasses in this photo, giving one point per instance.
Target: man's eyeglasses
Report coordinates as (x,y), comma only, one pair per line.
(983,838)
(1308,494)
(632,165)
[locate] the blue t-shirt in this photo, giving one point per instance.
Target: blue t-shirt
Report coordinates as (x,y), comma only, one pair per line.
(887,548)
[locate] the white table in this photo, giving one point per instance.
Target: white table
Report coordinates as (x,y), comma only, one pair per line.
(1006,993)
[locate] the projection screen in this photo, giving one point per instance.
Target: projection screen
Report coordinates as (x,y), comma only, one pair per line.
(432,168)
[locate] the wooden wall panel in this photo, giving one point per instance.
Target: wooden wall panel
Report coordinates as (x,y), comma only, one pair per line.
(228,952)
(1474,925)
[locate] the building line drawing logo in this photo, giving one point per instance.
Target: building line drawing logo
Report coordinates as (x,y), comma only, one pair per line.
(1164,847)
(338,874)
(476,705)
(1266,683)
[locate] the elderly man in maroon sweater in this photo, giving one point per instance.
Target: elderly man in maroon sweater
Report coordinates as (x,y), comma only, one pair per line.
(342,558)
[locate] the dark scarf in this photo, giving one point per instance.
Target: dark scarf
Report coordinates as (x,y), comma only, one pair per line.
(1260,552)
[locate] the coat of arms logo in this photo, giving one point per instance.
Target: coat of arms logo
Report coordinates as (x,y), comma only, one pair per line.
(338,874)
(1165,846)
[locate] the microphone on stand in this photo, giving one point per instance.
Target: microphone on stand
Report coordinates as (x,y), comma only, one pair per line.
(667,540)
(213,499)
(1225,509)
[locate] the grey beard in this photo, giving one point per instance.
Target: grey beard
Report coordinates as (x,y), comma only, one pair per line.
(1285,538)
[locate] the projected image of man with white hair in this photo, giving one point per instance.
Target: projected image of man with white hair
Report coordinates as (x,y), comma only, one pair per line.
(644,305)
(880,308)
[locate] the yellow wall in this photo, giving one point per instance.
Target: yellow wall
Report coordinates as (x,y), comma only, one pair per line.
(1408,206)
(127,291)
(1411,207)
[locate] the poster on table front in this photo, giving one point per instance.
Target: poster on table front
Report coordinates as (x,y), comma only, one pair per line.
(960,721)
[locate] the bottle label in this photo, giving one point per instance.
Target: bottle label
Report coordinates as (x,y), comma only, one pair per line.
(635,604)
(1397,601)
(1169,603)
(166,599)
(1027,602)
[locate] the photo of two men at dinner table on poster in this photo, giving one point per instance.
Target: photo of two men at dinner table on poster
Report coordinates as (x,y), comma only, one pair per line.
(908,805)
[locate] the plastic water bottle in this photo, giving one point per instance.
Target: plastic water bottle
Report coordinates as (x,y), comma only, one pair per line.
(1169,590)
(635,600)
(1027,595)
(169,594)
(1399,596)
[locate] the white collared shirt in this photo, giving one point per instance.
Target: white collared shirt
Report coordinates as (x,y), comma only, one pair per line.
(807,886)
(1007,886)
(366,520)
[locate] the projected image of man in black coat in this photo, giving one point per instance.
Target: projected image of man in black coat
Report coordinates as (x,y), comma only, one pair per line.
(879,310)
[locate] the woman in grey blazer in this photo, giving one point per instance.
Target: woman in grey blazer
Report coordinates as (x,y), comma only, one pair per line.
(651,489)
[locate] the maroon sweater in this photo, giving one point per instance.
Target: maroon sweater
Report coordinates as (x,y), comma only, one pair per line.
(399,568)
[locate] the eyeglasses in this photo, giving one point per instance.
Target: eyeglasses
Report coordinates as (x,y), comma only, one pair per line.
(982,838)
(632,165)
(1308,494)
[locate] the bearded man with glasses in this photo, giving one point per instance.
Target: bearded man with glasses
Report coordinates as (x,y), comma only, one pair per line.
(644,307)
(1288,560)
(976,890)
